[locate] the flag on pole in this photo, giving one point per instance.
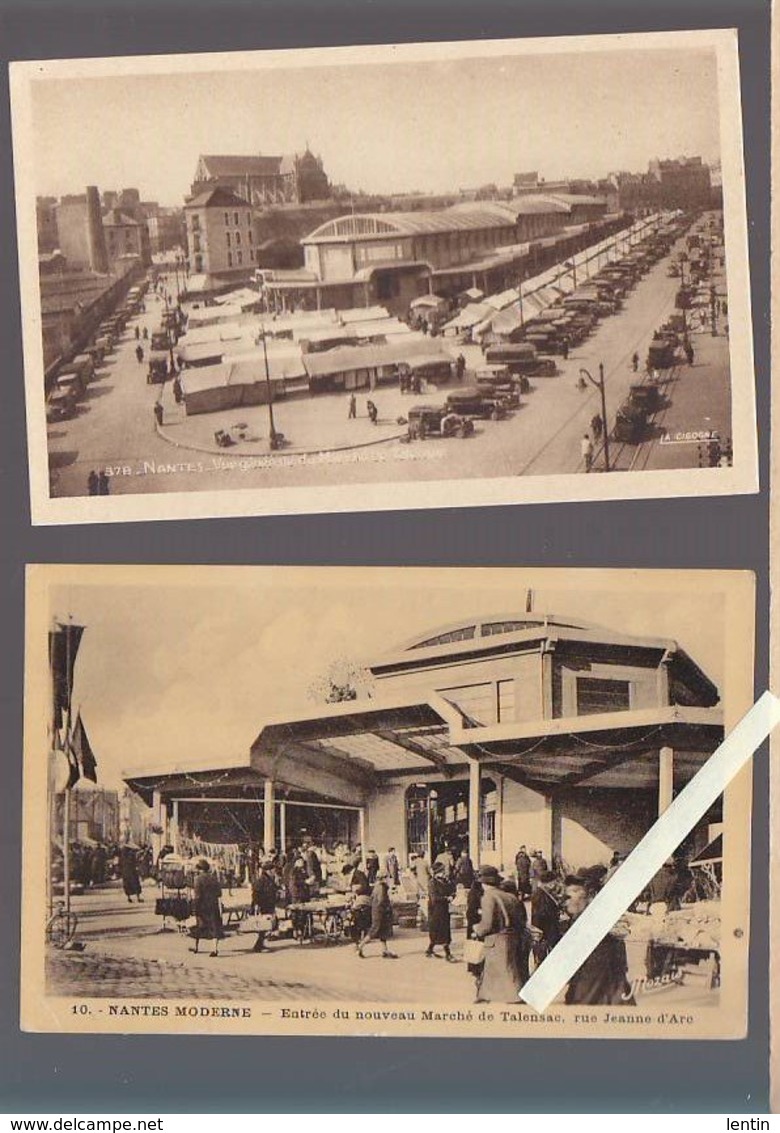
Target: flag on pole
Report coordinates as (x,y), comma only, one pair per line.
(83,756)
(64,643)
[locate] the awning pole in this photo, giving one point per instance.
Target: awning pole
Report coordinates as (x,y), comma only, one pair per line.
(665,778)
(269,817)
(474,811)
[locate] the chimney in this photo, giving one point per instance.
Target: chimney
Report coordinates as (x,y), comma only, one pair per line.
(96,237)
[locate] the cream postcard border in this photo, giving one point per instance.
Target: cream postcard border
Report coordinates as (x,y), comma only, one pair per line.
(41,1012)
(741,478)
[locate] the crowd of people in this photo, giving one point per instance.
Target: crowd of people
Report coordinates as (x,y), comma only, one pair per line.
(94,863)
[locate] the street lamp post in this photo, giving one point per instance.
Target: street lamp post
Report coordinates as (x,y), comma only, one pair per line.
(599,385)
(272,437)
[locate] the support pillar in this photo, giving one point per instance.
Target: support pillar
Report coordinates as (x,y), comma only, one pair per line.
(175,827)
(269,817)
(474,811)
(665,778)
(283,826)
(362,833)
(158,820)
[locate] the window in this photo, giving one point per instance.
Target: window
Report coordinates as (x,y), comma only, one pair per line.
(235,218)
(228,238)
(199,263)
(230,259)
(596,694)
(196,243)
(227,219)
(238,237)
(196,222)
(240,257)
(252,254)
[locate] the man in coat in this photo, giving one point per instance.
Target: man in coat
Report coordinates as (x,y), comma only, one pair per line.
(523,871)
(546,915)
(603,977)
(392,867)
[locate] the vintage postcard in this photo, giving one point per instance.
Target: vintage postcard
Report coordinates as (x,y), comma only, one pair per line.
(372,801)
(431,275)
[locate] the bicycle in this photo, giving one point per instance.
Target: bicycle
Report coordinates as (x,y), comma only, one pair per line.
(61,927)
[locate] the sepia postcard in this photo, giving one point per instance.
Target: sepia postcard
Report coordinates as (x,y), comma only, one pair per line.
(372,801)
(366,278)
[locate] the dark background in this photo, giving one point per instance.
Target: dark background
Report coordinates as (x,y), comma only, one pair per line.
(49,1073)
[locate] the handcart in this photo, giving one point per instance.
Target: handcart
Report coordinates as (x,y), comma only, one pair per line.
(175,900)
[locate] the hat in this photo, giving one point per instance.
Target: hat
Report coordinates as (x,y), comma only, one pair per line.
(202,865)
(589,878)
(490,874)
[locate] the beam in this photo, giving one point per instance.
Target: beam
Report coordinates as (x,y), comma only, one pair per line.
(305,769)
(596,766)
(434,757)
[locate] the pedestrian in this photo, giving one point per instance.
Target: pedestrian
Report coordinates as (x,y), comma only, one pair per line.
(264,902)
(92,483)
(373,412)
(146,333)
(523,872)
(381,926)
(158,413)
(358,886)
(586,451)
(603,977)
(635,361)
(392,867)
(501,929)
(128,871)
(597,426)
(565,349)
(206,906)
(139,353)
(689,354)
(178,392)
(460,367)
(422,874)
(103,485)
(137,332)
(439,931)
(464,871)
(352,414)
(546,914)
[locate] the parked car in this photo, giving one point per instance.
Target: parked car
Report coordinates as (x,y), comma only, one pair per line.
(60,404)
(471,401)
(437,420)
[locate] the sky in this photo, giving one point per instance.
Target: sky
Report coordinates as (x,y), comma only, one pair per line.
(391,127)
(174,670)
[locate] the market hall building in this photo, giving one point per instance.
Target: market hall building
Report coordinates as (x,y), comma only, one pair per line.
(391,258)
(530,729)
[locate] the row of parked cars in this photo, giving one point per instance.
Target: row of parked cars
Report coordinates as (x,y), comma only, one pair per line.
(73,376)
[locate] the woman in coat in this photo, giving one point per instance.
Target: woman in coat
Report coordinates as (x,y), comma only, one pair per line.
(264,899)
(206,907)
(381,927)
(501,929)
(128,870)
(439,893)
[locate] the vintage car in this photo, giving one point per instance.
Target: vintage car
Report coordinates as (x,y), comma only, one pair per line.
(160,339)
(630,424)
(157,372)
(660,354)
(497,382)
(60,404)
(437,421)
(73,382)
(472,401)
(647,397)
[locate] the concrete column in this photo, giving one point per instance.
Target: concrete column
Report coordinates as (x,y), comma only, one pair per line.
(474,811)
(175,827)
(665,778)
(158,819)
(269,817)
(283,825)
(362,833)
(547,682)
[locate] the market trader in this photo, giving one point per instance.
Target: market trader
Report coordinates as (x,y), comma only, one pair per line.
(603,977)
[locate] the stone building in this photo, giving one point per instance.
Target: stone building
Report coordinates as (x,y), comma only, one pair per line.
(220,236)
(264,180)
